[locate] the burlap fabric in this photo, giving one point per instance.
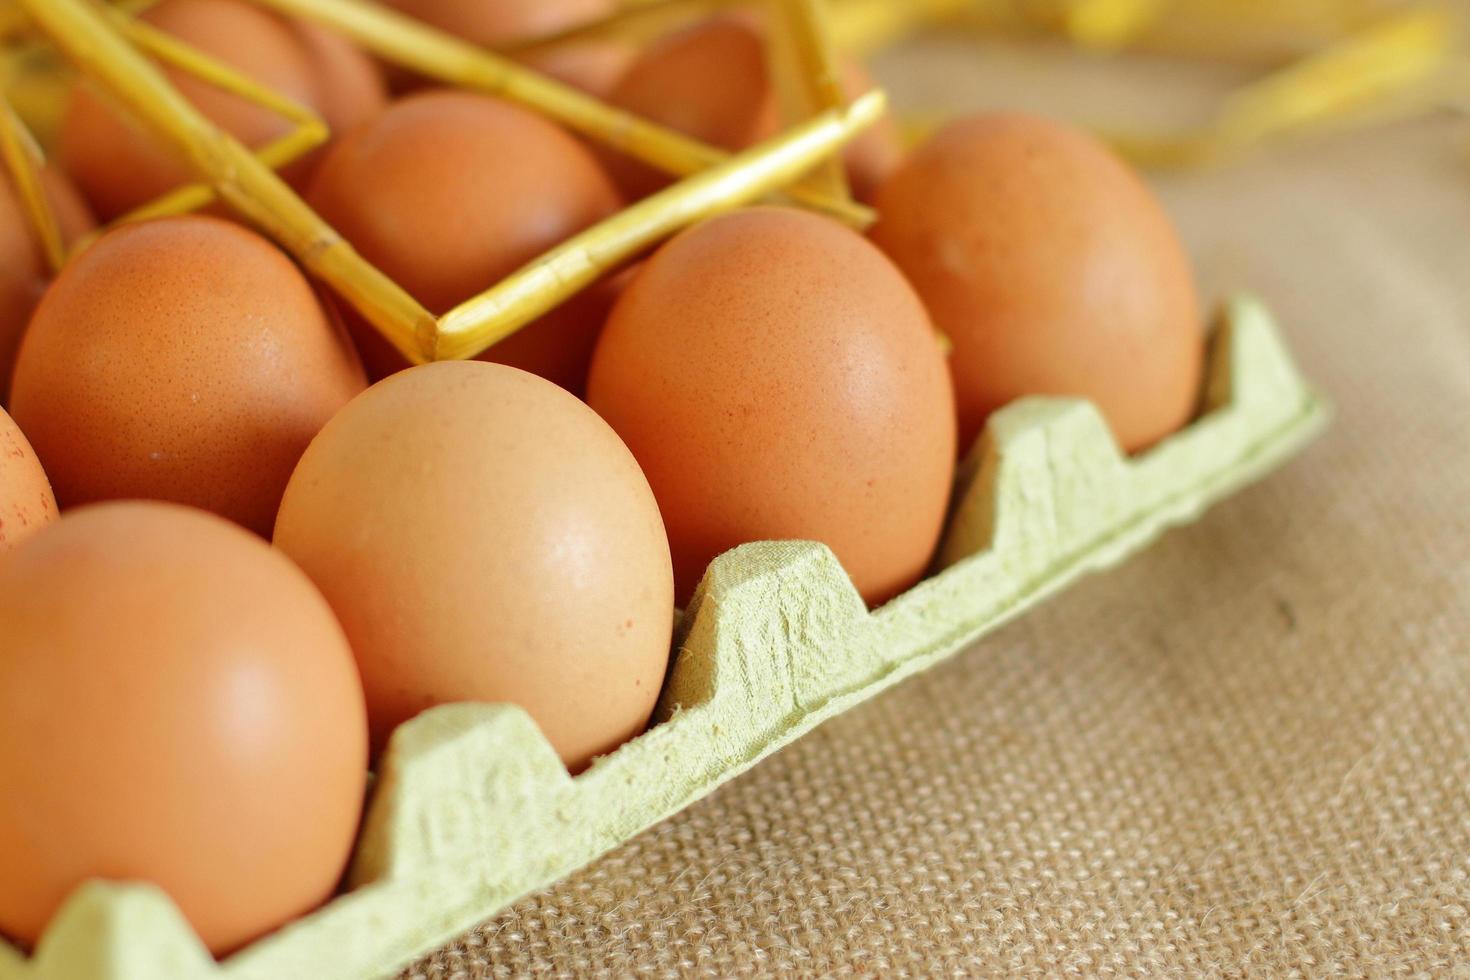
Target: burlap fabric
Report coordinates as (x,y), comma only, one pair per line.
(1247,752)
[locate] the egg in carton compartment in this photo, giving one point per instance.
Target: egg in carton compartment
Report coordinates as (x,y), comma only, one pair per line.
(473,809)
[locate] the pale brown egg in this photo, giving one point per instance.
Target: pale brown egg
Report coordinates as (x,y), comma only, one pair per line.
(177,706)
(494,23)
(119,165)
(26,501)
(1052,269)
(23,270)
(711,81)
(448,192)
(777,378)
(182,359)
(484,536)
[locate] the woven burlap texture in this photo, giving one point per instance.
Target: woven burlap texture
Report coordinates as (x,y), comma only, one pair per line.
(1246,752)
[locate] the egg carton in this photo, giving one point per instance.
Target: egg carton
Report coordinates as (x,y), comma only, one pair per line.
(473,809)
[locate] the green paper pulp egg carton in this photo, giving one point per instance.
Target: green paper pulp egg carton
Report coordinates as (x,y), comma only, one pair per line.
(472,809)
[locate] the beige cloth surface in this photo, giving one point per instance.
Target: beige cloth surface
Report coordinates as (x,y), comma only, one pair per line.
(1246,752)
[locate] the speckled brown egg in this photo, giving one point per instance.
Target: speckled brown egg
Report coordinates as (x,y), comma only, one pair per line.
(26,501)
(178,706)
(23,271)
(182,359)
(777,378)
(711,80)
(1053,270)
(484,536)
(433,194)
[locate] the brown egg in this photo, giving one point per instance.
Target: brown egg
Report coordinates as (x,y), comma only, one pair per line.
(350,87)
(120,166)
(177,706)
(23,271)
(26,502)
(777,378)
(484,536)
(1052,269)
(494,23)
(182,359)
(711,81)
(429,193)
(594,65)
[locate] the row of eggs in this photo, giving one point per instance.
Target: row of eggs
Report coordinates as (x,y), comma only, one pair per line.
(183,703)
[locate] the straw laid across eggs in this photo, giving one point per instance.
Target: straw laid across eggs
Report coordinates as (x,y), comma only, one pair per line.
(476,531)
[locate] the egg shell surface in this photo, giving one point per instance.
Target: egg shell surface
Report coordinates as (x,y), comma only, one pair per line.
(1053,269)
(178,706)
(182,359)
(484,536)
(26,501)
(777,378)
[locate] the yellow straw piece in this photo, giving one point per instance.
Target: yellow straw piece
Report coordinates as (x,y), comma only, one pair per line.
(578,262)
(1387,70)
(35,81)
(861,27)
(1110,24)
(1380,61)
(1257,31)
(420,48)
(807,76)
(24,161)
(170,50)
(15,24)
